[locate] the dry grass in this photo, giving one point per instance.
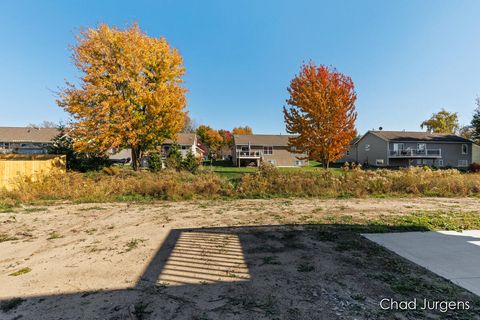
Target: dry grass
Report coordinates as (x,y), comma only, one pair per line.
(126,185)
(265,183)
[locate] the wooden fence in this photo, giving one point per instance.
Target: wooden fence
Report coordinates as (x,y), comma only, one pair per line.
(14,167)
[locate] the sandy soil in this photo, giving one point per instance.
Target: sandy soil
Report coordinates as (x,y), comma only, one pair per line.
(243,259)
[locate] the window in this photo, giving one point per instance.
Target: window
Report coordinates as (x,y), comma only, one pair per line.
(398,146)
(299,162)
(272,162)
(428,162)
(348,152)
(379,162)
(463,163)
(184,147)
(267,150)
(440,162)
(464,148)
(419,162)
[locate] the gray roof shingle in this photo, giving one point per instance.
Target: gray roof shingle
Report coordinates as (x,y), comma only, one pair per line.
(182,139)
(418,136)
(28,134)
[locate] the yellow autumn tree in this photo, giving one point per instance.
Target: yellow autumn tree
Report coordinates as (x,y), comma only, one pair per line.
(242,130)
(130,92)
(321,113)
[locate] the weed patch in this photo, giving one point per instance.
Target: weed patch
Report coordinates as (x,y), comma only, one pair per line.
(140,310)
(34,209)
(54,235)
(305,267)
(20,272)
(6,237)
(12,304)
(133,244)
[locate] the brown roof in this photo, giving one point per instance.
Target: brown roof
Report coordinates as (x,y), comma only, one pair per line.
(261,139)
(182,138)
(27,134)
(418,136)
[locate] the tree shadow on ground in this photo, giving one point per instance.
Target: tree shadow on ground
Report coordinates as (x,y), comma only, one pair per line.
(260,272)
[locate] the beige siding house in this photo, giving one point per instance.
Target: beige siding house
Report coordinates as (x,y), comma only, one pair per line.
(257,148)
(404,148)
(185,141)
(26,140)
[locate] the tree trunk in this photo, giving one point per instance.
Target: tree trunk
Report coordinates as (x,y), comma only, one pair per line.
(135,156)
(324,164)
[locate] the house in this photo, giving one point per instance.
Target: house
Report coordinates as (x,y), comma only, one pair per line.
(26,140)
(185,141)
(404,148)
(253,149)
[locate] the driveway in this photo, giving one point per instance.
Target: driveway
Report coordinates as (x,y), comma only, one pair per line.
(452,255)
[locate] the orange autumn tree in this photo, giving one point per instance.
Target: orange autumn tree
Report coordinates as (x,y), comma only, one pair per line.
(212,139)
(242,130)
(321,113)
(130,93)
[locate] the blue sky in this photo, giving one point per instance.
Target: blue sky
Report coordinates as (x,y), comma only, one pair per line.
(408,59)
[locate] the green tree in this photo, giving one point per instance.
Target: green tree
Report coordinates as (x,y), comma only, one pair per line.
(77,161)
(476,123)
(191,163)
(154,162)
(174,158)
(442,122)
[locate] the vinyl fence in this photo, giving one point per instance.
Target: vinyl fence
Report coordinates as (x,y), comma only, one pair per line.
(14,167)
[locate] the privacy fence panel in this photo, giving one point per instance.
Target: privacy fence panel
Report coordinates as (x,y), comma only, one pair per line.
(15,167)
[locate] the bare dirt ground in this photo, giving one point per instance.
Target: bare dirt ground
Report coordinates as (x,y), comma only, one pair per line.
(242,259)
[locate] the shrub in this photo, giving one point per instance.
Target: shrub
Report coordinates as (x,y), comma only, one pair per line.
(111,171)
(154,162)
(77,161)
(475,167)
(191,163)
(174,159)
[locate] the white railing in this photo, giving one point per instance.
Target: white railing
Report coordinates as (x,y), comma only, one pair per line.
(415,153)
(248,154)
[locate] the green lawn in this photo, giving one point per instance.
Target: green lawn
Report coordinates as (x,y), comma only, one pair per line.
(227,170)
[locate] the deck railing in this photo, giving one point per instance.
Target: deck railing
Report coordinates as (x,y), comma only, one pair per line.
(248,154)
(415,153)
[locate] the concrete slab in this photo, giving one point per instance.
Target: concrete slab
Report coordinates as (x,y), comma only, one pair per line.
(450,254)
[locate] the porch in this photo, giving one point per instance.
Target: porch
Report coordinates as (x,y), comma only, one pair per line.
(248,157)
(415,153)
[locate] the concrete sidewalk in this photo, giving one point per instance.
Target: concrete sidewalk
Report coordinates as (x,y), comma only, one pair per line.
(452,255)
